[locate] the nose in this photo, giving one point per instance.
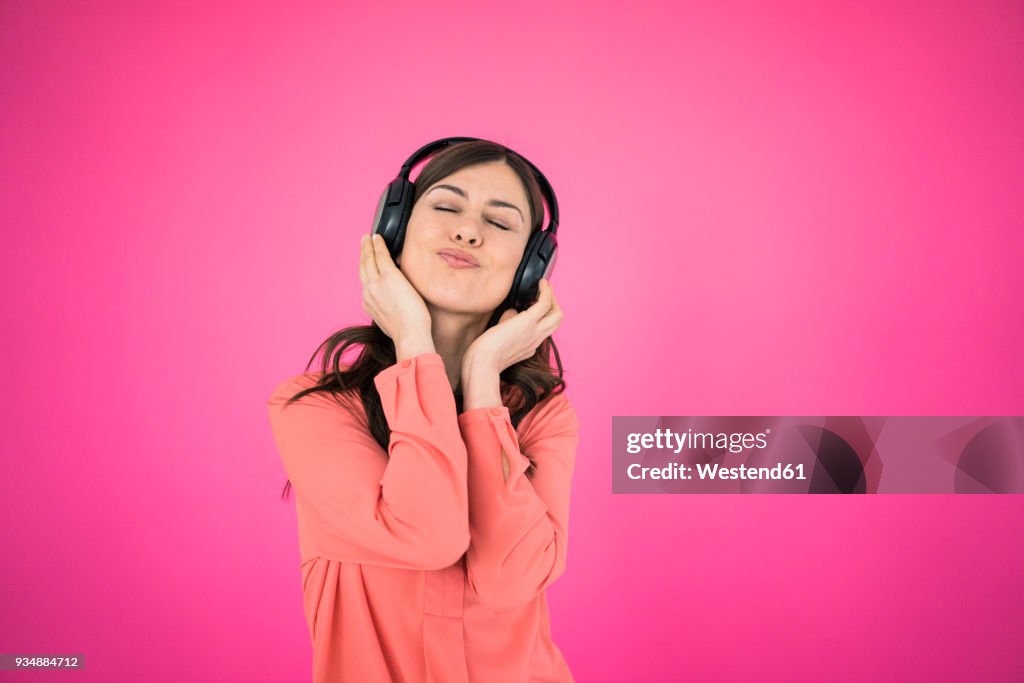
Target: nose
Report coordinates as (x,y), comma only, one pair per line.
(467,232)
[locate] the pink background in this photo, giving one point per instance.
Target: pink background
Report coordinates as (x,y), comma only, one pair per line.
(784,208)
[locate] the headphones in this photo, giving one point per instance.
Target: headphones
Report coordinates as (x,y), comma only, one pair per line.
(538,261)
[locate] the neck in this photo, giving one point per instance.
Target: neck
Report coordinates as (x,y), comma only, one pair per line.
(452,334)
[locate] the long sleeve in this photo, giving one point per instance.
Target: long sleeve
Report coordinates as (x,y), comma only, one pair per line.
(408,510)
(518,527)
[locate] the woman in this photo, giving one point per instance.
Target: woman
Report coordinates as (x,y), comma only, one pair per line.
(433,473)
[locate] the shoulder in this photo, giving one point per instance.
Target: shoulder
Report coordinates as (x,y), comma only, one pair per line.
(554,416)
(285,389)
(288,387)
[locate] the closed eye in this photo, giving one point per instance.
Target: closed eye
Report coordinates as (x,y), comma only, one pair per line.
(441,208)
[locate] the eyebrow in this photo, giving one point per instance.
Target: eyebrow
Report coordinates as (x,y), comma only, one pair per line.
(494,202)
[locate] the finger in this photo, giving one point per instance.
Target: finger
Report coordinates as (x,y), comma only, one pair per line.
(550,322)
(539,307)
(382,255)
(554,315)
(371,258)
(554,307)
(545,299)
(551,292)
(363,258)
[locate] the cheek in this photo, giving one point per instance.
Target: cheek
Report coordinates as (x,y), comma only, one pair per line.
(412,244)
(515,259)
(504,273)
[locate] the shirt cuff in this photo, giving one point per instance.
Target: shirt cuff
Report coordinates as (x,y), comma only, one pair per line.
(493,425)
(480,414)
(391,372)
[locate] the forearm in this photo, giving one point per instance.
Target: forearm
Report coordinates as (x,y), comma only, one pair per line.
(518,524)
(481,388)
(406,507)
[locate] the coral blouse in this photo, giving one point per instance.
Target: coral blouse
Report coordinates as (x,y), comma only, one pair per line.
(425,564)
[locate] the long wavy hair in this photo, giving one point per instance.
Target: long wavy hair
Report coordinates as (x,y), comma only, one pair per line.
(523,385)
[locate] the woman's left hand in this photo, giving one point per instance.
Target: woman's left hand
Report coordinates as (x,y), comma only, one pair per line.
(517,335)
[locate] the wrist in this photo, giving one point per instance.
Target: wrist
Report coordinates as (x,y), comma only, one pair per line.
(481,383)
(413,345)
(476,363)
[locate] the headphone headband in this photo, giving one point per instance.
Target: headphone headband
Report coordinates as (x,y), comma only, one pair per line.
(545,187)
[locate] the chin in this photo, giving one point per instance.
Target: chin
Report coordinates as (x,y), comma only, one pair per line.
(457,301)
(458,295)
(457,305)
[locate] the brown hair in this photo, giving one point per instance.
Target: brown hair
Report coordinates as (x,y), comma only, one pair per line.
(523,385)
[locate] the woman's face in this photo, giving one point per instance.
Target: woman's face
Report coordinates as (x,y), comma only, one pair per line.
(481,213)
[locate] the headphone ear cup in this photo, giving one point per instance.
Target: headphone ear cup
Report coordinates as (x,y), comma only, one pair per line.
(392,216)
(538,262)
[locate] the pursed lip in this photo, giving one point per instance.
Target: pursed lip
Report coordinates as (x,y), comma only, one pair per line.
(460,256)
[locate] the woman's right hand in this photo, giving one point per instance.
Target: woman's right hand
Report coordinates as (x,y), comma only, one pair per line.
(389,298)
